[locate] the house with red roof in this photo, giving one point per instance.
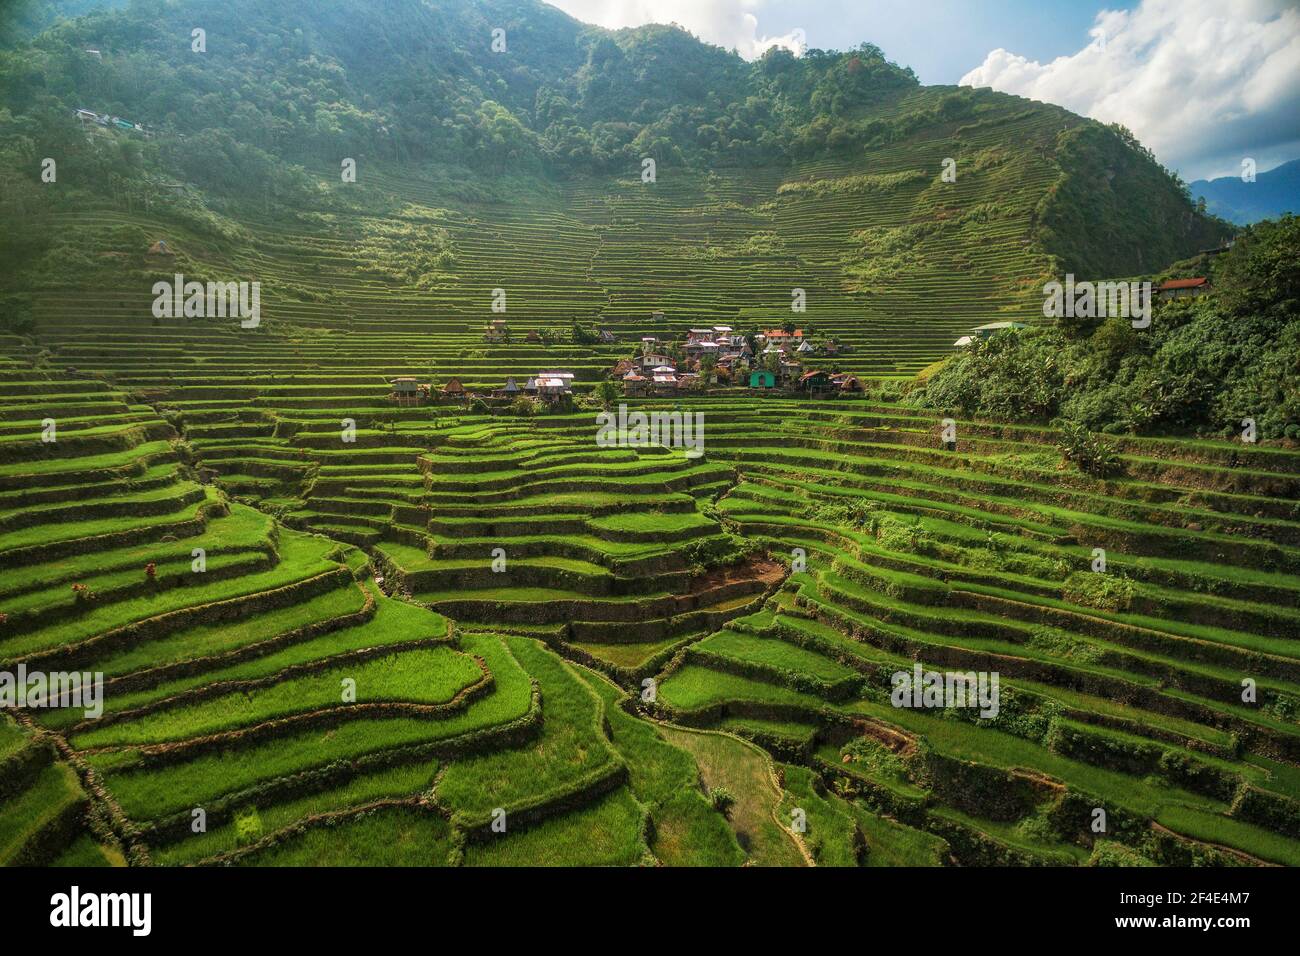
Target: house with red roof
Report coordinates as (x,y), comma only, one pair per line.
(1183,288)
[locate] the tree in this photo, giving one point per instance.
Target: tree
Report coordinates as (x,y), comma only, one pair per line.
(607,392)
(708,368)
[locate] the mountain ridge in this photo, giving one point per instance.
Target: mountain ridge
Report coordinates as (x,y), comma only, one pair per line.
(1271,194)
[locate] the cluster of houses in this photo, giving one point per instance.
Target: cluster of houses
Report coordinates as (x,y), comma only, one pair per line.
(549,387)
(730,359)
(88,117)
(770,360)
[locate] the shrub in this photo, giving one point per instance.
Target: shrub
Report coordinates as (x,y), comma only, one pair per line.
(722,800)
(1090,453)
(896,534)
(1112,853)
(874,757)
(524,407)
(1105,592)
(248,826)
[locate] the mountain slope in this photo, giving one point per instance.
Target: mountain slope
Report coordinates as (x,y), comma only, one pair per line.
(522,169)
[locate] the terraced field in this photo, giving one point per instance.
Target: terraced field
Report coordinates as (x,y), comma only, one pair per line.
(384,644)
(894,263)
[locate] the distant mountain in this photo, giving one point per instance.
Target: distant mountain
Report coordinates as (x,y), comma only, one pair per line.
(1271,194)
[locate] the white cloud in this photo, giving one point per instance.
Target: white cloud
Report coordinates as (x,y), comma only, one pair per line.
(1203,83)
(732,24)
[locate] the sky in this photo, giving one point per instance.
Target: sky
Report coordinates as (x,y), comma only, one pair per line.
(1205,84)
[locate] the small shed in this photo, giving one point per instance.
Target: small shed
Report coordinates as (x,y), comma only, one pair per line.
(160,248)
(762,378)
(406,390)
(454,388)
(552,387)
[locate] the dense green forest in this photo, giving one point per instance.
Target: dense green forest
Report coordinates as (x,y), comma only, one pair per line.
(1206,363)
(401,80)
(306,82)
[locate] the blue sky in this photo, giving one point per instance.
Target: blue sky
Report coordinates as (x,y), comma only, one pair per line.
(1207,85)
(940,39)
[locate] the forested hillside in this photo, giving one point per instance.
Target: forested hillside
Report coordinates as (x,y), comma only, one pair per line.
(254,129)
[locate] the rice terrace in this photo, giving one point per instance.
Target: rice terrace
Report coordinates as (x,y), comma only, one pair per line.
(448,434)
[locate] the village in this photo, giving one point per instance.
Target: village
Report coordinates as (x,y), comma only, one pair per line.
(713,359)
